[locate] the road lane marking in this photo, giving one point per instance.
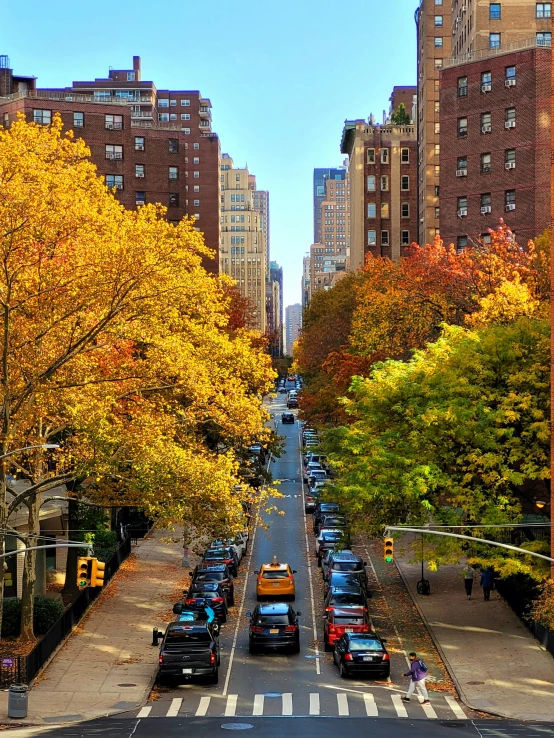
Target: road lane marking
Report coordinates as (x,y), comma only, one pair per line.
(175,706)
(203,706)
(342,701)
(231,706)
(370,706)
(145,711)
(258,705)
(429,711)
(399,706)
(455,707)
(287,703)
(314,703)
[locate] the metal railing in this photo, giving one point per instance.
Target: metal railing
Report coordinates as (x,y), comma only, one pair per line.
(528,43)
(68,96)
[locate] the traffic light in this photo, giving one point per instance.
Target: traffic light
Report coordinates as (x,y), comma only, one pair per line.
(389,550)
(97,578)
(84,571)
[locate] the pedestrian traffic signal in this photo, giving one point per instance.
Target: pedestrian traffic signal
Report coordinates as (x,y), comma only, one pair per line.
(84,571)
(97,578)
(389,550)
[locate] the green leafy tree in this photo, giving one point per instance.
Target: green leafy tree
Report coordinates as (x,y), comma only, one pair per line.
(400,116)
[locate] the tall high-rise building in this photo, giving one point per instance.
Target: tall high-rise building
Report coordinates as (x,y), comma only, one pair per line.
(328,259)
(274,296)
(242,248)
(260,200)
(305,281)
(151,145)
(434,37)
(383,189)
(293,326)
(321,176)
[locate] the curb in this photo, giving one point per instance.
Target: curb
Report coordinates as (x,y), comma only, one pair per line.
(461,694)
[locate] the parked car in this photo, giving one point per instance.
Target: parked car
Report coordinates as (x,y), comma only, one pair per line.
(329,520)
(361,653)
(344,597)
(273,626)
(344,620)
(212,594)
(346,579)
(216,573)
(344,561)
(317,475)
(310,467)
(189,650)
(310,501)
(325,508)
(225,555)
(327,538)
(237,544)
(287,418)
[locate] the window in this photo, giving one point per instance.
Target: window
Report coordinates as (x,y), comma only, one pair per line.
(462,86)
(486,165)
(140,171)
(185,103)
(486,237)
(114,180)
(114,152)
(384,183)
(438,63)
(544,39)
(371,238)
(437,170)
(544,10)
(437,127)
(173,199)
(384,238)
(130,76)
(405,156)
(437,191)
(384,210)
(510,199)
(405,209)
(510,158)
(196,160)
(140,198)
(42,117)
(461,243)
(197,202)
(405,238)
(486,201)
(437,106)
(486,81)
(437,213)
(494,40)
(437,149)
(185,116)
(495,11)
(6,120)
(163,103)
(438,21)
(173,145)
(371,183)
(486,122)
(173,116)
(78,120)
(113,121)
(139,143)
(196,175)
(405,183)
(371,210)
(384,156)
(510,118)
(461,205)
(196,188)
(438,42)
(163,117)
(371,156)
(438,2)
(186,131)
(173,173)
(510,73)
(462,127)
(237,177)
(173,103)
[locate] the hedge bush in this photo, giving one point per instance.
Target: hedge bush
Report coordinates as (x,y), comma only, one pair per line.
(47,611)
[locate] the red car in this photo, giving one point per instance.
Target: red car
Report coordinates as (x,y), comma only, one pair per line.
(339,621)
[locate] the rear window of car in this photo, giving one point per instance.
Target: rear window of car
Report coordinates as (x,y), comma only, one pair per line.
(275,574)
(347,566)
(205,594)
(211,576)
(347,599)
(347,620)
(184,636)
(365,644)
(272,620)
(330,537)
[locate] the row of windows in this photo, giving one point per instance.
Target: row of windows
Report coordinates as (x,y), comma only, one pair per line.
(485,200)
(371,180)
(542,10)
(165,103)
(486,122)
(384,156)
(385,210)
(542,39)
(115,151)
(486,162)
(372,238)
(486,81)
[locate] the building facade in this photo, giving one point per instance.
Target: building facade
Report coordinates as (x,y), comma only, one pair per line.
(260,199)
(406,96)
(274,297)
(321,176)
(242,242)
(330,256)
(495,135)
(383,189)
(293,326)
(150,145)
(305,281)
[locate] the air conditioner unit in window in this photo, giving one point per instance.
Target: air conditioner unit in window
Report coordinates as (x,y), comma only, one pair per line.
(510,124)
(486,209)
(139,175)
(509,83)
(109,126)
(462,212)
(461,172)
(510,206)
(486,128)
(486,87)
(510,165)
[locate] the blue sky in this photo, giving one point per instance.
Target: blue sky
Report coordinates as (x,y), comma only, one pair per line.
(282,77)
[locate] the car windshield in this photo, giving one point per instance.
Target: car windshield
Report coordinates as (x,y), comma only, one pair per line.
(347,620)
(318,473)
(365,644)
(355,600)
(184,636)
(273,620)
(279,574)
(347,566)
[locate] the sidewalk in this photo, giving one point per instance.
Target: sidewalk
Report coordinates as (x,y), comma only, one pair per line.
(108,663)
(495,662)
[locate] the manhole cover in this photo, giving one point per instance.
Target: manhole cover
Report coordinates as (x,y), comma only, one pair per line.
(237,726)
(474,684)
(446,724)
(127,684)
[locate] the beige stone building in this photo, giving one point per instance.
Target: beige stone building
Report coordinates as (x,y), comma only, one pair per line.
(243,252)
(331,255)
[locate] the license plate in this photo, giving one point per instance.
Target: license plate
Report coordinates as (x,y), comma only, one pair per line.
(349,630)
(187,671)
(274,630)
(367,658)
(276,584)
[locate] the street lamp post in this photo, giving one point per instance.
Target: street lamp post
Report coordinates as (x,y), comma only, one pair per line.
(29,448)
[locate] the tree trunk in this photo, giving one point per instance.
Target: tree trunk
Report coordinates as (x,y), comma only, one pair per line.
(70,586)
(29,571)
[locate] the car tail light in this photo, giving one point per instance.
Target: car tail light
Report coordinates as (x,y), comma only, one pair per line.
(190,602)
(348,657)
(290,628)
(328,609)
(212,658)
(160,659)
(291,579)
(386,657)
(332,627)
(217,599)
(257,629)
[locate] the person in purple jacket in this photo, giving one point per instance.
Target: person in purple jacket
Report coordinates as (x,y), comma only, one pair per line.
(418,674)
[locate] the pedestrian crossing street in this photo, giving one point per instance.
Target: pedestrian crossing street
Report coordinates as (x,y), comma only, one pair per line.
(351,703)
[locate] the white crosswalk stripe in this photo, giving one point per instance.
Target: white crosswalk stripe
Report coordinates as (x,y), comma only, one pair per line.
(455,707)
(203,707)
(175,707)
(399,706)
(314,703)
(342,702)
(287,703)
(429,710)
(258,705)
(370,706)
(231,706)
(145,711)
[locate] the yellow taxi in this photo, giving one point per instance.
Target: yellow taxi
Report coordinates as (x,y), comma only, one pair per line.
(275,580)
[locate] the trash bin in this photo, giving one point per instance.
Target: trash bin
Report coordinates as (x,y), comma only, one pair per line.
(17,701)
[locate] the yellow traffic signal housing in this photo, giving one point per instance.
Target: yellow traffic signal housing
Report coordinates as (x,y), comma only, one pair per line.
(97,578)
(84,571)
(389,550)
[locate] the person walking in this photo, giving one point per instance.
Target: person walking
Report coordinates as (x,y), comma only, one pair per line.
(418,674)
(487,582)
(468,573)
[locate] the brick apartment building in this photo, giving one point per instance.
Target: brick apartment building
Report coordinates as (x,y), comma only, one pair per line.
(383,189)
(151,145)
(495,143)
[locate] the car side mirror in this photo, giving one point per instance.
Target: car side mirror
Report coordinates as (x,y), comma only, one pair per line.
(384,640)
(256,571)
(298,613)
(190,574)
(248,614)
(177,608)
(294,571)
(365,563)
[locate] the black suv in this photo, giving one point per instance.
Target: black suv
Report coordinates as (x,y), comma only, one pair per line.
(273,626)
(324,508)
(343,561)
(287,418)
(329,520)
(215,573)
(362,653)
(211,594)
(189,650)
(222,555)
(347,579)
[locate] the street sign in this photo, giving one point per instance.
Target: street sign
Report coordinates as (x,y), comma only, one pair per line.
(7,663)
